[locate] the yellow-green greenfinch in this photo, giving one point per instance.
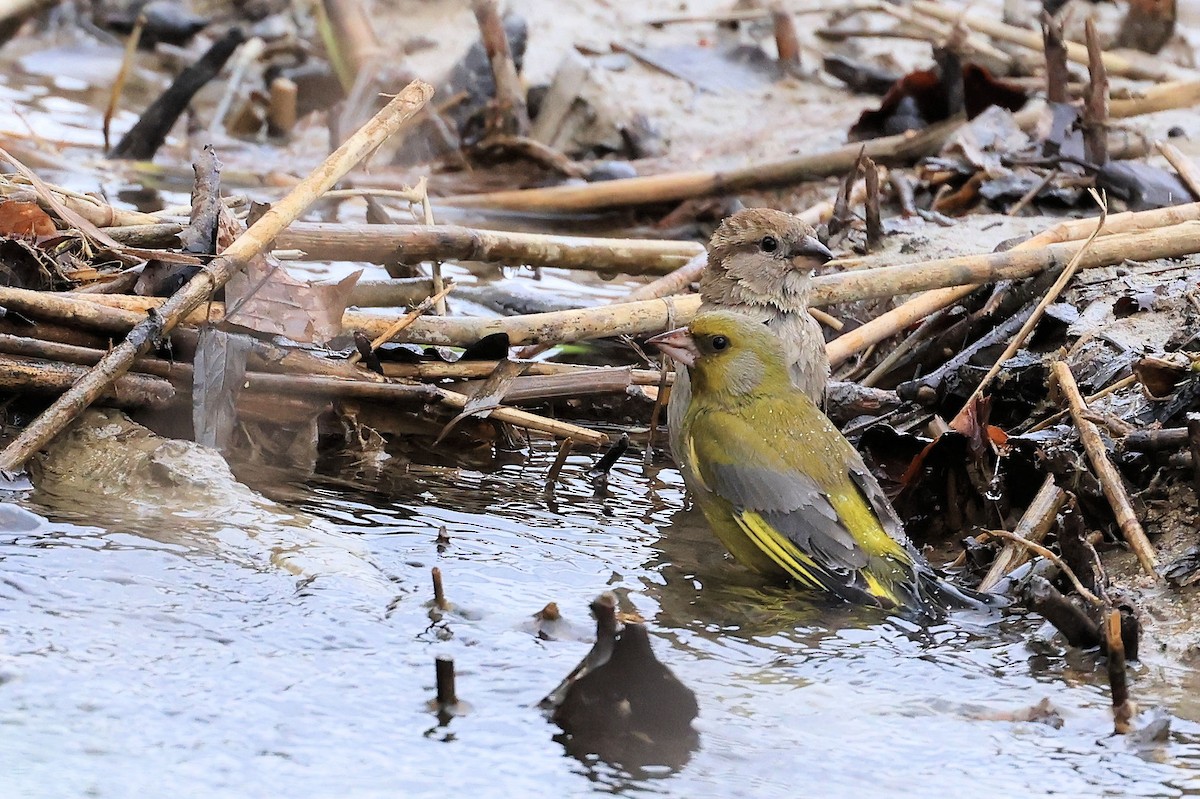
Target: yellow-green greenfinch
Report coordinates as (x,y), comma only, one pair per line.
(761,262)
(785,492)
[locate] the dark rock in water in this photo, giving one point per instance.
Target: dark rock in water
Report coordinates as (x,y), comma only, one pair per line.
(166,21)
(471,76)
(621,704)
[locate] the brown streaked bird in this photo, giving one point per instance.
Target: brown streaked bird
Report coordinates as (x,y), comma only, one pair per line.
(761,263)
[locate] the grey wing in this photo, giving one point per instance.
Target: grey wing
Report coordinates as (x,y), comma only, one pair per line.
(872,492)
(793,504)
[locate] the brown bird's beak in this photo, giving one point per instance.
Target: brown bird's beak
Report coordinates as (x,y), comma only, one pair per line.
(678,345)
(811,253)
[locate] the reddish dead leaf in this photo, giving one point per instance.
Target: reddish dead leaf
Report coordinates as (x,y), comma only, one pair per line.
(997,436)
(1159,377)
(264,297)
(269,300)
(25,220)
(971,422)
(921,98)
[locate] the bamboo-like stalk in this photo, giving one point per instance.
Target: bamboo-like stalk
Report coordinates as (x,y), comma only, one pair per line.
(412,244)
(56,370)
(892,322)
(1052,295)
(1110,479)
(902,148)
(26,375)
(1186,168)
(1163,97)
(477,370)
(651,316)
(1114,63)
(201,287)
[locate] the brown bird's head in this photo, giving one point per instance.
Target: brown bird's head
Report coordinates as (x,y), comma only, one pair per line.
(762,257)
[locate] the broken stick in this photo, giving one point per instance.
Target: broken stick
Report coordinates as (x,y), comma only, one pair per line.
(1110,478)
(201,287)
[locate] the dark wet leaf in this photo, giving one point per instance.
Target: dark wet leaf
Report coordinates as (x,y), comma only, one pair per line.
(168,21)
(23,266)
(982,90)
(859,77)
(362,343)
(712,69)
(217,379)
(490,395)
(1184,570)
(1186,398)
(1137,302)
(493,347)
(1141,185)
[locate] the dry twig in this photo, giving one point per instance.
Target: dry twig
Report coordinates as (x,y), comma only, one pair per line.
(1106,472)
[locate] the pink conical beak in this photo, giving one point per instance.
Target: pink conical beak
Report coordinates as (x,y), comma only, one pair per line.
(678,345)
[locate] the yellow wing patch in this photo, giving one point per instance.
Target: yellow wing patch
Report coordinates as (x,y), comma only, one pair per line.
(795,563)
(800,566)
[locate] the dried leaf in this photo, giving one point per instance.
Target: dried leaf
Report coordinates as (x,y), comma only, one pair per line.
(971,422)
(270,300)
(489,395)
(25,220)
(1159,377)
(264,297)
(921,98)
(217,379)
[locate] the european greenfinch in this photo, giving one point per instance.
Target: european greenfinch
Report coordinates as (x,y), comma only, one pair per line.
(785,492)
(761,262)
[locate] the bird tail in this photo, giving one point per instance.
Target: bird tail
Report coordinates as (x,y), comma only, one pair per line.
(939,593)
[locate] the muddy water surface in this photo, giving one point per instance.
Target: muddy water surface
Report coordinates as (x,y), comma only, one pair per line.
(134,665)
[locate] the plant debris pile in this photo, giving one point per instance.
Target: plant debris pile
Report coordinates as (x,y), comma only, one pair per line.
(1012,314)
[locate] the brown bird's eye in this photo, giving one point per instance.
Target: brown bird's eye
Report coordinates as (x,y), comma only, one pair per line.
(769,244)
(719,343)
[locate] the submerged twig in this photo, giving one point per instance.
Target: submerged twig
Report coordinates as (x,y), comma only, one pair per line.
(1033,546)
(114,96)
(1034,525)
(1123,707)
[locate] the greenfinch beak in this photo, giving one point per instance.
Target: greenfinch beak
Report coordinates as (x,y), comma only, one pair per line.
(678,345)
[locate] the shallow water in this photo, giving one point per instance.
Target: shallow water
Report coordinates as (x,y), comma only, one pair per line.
(133,666)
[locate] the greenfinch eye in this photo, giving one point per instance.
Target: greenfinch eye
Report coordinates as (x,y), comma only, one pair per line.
(719,343)
(768,244)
